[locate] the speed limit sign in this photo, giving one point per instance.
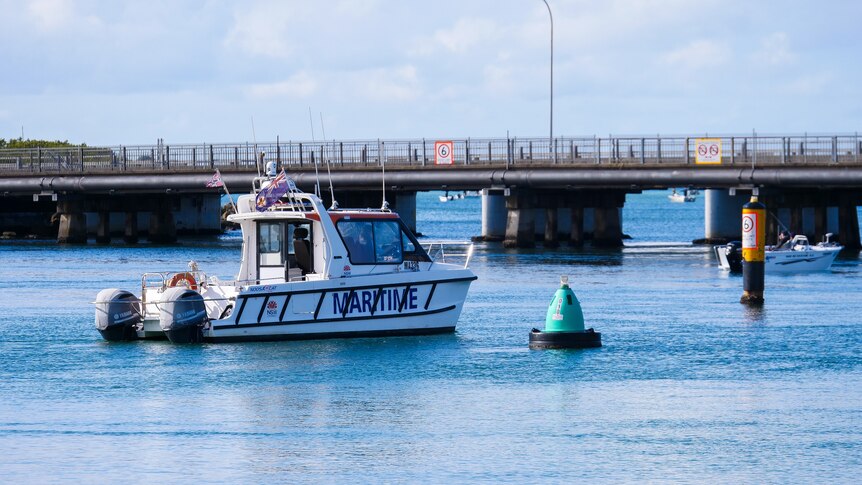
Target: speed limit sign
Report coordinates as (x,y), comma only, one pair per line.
(708,151)
(443,153)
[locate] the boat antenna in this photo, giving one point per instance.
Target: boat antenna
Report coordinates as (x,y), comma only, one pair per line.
(328,170)
(316,174)
(385,205)
(254,139)
(775,216)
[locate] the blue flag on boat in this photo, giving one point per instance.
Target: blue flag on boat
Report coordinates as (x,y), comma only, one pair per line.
(270,194)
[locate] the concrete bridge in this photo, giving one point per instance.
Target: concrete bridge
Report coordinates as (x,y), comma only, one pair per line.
(572,189)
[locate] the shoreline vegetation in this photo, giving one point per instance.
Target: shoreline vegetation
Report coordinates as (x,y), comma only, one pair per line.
(28,143)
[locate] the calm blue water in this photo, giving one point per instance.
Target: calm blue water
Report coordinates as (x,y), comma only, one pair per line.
(689,386)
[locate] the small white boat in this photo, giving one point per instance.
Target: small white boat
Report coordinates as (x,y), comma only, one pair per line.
(305,272)
(681,197)
(794,256)
(447,197)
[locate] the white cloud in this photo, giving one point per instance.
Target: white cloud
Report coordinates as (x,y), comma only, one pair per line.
(55,15)
(465,35)
(699,54)
(808,85)
(628,23)
(775,50)
(387,84)
(356,8)
(262,30)
(619,64)
(498,79)
(299,85)
(50,14)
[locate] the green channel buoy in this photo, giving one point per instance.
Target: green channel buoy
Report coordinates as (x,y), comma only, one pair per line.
(564,324)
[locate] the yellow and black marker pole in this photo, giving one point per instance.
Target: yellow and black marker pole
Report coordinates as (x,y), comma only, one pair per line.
(753,251)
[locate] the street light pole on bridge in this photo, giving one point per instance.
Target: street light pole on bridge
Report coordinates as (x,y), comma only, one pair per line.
(551,138)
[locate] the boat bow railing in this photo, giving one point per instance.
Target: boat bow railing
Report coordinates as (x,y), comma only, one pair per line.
(453,252)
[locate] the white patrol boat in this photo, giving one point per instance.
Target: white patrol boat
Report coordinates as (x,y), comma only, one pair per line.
(305,273)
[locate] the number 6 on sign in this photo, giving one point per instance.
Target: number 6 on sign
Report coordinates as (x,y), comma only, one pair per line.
(443,153)
(708,151)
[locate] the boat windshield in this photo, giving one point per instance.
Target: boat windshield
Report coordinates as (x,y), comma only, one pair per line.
(379,242)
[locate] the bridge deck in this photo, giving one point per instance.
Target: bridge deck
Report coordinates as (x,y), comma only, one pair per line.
(511,153)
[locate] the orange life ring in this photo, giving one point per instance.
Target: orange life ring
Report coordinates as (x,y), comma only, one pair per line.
(184,279)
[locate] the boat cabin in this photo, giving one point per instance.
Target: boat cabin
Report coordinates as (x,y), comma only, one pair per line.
(300,240)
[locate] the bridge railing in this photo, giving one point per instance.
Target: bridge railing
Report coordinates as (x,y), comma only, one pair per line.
(750,150)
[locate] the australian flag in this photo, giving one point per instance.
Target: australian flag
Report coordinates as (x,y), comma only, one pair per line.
(270,194)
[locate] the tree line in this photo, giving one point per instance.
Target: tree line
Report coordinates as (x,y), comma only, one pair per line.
(28,143)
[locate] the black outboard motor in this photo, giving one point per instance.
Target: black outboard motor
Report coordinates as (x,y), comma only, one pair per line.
(182,315)
(733,251)
(118,315)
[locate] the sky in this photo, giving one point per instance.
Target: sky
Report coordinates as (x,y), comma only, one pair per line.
(107,72)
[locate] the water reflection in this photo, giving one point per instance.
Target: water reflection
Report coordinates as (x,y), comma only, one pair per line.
(556,256)
(754,313)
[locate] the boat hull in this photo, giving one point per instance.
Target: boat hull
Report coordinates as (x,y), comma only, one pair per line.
(409,332)
(366,308)
(788,261)
(799,261)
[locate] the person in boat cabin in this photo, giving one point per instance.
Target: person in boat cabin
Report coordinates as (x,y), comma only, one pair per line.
(783,237)
(359,241)
(302,250)
(365,243)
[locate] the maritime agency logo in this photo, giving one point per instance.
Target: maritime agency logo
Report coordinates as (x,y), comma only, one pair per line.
(364,301)
(271,308)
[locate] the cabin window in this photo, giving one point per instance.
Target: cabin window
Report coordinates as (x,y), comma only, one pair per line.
(387,242)
(379,242)
(411,250)
(301,253)
(407,244)
(270,243)
(371,242)
(359,239)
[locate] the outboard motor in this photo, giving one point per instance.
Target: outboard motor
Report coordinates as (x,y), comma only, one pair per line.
(733,251)
(118,314)
(182,315)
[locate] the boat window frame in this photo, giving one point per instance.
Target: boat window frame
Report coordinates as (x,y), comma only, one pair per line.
(418,253)
(282,241)
(288,258)
(379,246)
